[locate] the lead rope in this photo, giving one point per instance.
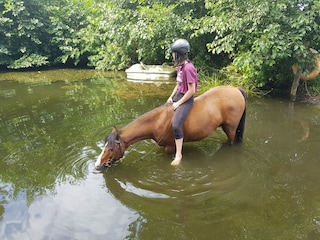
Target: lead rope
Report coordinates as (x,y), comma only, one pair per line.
(142,157)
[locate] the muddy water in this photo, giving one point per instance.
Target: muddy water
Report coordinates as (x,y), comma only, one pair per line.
(52,131)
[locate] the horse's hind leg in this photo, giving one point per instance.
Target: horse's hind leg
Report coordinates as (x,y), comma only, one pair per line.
(230,131)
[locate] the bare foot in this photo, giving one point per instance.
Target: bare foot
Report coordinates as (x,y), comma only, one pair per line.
(176,161)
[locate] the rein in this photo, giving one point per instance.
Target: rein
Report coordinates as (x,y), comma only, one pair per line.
(120,147)
(112,160)
(142,157)
(151,150)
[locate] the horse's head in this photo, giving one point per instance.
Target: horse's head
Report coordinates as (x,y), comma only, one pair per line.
(112,150)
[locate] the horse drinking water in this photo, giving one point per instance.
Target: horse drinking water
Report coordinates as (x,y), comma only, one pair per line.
(223,106)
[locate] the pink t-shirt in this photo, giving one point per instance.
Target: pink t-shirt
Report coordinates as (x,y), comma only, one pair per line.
(186,74)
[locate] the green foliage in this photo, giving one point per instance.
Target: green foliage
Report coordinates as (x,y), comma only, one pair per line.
(68,18)
(23,35)
(142,32)
(27,61)
(262,39)
(260,35)
(107,35)
(108,38)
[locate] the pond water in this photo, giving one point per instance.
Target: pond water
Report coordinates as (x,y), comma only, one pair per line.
(52,131)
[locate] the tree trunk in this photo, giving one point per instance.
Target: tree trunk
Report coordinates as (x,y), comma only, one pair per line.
(294,86)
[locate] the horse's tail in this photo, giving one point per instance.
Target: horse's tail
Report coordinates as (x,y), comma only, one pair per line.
(240,128)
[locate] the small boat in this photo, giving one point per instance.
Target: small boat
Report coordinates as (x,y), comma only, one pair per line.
(149,73)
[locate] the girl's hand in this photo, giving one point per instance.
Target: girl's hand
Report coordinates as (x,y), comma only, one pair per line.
(169,100)
(175,105)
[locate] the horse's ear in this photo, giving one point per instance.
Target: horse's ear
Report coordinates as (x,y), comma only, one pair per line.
(116,131)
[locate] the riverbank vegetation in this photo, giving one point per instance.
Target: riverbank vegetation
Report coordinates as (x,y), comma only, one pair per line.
(252,42)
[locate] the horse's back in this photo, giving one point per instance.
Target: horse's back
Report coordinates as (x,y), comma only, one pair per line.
(228,93)
(219,106)
(221,99)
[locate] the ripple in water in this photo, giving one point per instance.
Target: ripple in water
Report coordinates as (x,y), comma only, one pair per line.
(154,178)
(129,187)
(75,166)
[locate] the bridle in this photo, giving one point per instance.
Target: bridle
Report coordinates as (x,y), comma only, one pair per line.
(114,159)
(119,142)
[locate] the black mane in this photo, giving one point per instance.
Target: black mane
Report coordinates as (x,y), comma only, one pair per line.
(110,139)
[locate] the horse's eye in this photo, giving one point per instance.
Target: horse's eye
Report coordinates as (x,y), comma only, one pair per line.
(110,149)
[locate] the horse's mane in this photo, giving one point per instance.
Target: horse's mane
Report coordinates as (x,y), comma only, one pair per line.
(110,138)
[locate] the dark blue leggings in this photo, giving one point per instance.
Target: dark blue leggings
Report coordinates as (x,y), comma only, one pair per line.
(180,115)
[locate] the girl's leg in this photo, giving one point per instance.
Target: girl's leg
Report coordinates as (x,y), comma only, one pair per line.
(180,116)
(177,159)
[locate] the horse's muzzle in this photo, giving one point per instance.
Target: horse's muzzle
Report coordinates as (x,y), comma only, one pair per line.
(104,166)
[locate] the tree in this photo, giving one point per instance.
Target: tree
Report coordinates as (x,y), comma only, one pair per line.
(129,32)
(68,18)
(23,34)
(264,38)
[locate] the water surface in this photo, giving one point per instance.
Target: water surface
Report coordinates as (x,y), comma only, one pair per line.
(52,132)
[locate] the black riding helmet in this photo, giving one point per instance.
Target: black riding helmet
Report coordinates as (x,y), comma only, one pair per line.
(181,46)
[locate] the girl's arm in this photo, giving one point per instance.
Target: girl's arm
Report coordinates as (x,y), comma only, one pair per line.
(173,93)
(187,95)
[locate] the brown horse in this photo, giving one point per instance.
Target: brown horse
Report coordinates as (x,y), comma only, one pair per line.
(223,106)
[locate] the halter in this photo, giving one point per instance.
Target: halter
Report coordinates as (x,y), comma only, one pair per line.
(112,160)
(118,142)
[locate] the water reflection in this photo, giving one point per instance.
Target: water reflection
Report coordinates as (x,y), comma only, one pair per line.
(51,134)
(259,189)
(197,175)
(70,214)
(176,197)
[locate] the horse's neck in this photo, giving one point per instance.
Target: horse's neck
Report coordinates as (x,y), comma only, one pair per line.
(146,126)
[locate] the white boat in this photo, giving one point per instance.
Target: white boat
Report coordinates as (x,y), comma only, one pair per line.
(149,73)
